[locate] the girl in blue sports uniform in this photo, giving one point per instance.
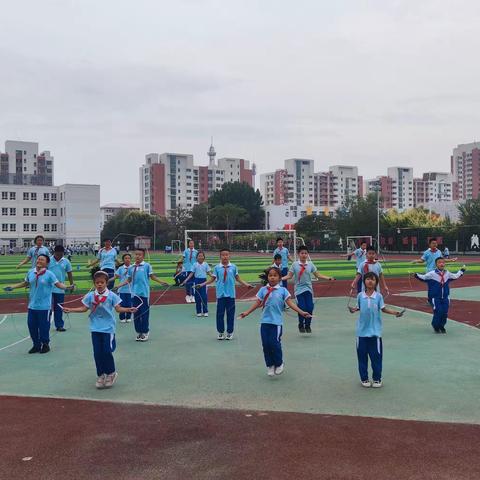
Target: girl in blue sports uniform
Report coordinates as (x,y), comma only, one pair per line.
(369,330)
(124,291)
(106,258)
(199,272)
(102,304)
(272,298)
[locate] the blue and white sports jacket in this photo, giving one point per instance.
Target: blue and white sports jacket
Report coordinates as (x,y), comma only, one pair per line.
(438,281)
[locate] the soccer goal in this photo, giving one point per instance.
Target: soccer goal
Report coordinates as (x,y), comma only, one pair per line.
(176,246)
(353,242)
(245,241)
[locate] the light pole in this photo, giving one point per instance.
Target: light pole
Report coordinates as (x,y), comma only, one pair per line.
(378,188)
(154,229)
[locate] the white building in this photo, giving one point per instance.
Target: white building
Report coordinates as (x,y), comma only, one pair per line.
(402,187)
(465,167)
(111,209)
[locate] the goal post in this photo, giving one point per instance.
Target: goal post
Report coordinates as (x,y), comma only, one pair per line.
(261,241)
(354,241)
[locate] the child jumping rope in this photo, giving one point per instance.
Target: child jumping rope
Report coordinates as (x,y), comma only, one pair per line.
(124,291)
(102,303)
(199,272)
(272,299)
(369,330)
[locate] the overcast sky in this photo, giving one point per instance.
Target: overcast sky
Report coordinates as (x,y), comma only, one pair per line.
(101,83)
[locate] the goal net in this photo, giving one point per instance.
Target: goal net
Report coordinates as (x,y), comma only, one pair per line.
(242,241)
(354,242)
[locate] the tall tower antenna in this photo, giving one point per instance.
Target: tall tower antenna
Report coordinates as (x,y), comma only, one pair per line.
(211,154)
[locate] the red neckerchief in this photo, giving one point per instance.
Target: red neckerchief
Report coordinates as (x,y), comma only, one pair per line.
(99,298)
(39,274)
(441,273)
(280,249)
(269,291)
(135,271)
(303,267)
(365,267)
(433,250)
(191,253)
(225,273)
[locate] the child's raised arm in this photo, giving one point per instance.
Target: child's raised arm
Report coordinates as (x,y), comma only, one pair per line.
(81,309)
(318,275)
(288,276)
(190,275)
(242,282)
(390,311)
(251,309)
(295,308)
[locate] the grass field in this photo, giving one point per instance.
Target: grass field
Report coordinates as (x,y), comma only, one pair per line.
(249,268)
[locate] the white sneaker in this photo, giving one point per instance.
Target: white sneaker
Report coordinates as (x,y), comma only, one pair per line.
(221,336)
(199,314)
(366,383)
(187,298)
(144,337)
(279,370)
(271,371)
(128,320)
(229,336)
(205,314)
(100,383)
(110,379)
(123,320)
(377,384)
(138,338)
(192,299)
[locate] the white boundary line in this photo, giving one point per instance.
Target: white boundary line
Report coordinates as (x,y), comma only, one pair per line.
(15,343)
(3,319)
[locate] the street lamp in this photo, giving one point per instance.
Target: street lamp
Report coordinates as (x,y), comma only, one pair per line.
(377,188)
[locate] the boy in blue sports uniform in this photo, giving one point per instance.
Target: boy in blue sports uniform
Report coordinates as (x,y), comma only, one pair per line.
(41,282)
(124,291)
(360,255)
(430,256)
(225,274)
(199,272)
(301,271)
(34,252)
(285,256)
(189,260)
(272,298)
(369,330)
(139,275)
(102,303)
(60,267)
(438,281)
(370,264)
(106,259)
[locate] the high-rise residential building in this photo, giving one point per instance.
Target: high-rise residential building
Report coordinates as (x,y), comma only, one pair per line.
(171,180)
(402,187)
(111,209)
(22,164)
(30,204)
(384,185)
(433,187)
(465,167)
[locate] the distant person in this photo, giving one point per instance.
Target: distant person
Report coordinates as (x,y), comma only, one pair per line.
(106,258)
(35,251)
(189,259)
(430,256)
(179,275)
(125,292)
(285,255)
(360,255)
(370,264)
(446,253)
(369,328)
(199,273)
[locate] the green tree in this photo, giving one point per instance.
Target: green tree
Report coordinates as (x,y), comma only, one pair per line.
(227,217)
(179,218)
(358,217)
(244,196)
(470,212)
(199,218)
(311,226)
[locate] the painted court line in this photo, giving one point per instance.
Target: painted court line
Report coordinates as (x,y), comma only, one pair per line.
(14,343)
(3,319)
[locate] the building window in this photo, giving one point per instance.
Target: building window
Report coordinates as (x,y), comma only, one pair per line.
(26,227)
(46,227)
(54,197)
(13,196)
(34,212)
(4,195)
(4,227)
(46,212)
(26,195)
(4,211)
(33,227)
(13,211)
(54,212)
(13,227)
(33,196)
(46,196)
(26,212)
(54,227)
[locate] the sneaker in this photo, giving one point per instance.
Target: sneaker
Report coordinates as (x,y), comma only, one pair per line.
(205,314)
(187,298)
(377,384)
(144,337)
(301,329)
(442,330)
(199,314)
(34,350)
(61,329)
(366,383)
(436,330)
(279,370)
(110,379)
(221,336)
(138,338)
(100,383)
(45,348)
(271,371)
(308,330)
(192,299)
(128,320)
(229,336)
(123,320)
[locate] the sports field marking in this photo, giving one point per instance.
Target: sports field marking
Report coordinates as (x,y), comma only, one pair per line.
(3,319)
(14,343)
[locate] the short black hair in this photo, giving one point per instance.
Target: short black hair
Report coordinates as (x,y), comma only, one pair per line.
(140,250)
(363,241)
(264,276)
(126,255)
(59,248)
(433,239)
(200,252)
(108,239)
(45,256)
(302,248)
(100,273)
(279,238)
(371,248)
(37,237)
(277,256)
(225,249)
(439,258)
(371,275)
